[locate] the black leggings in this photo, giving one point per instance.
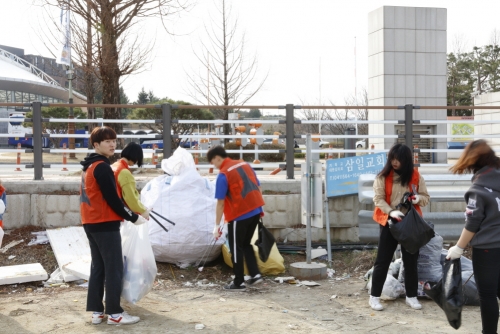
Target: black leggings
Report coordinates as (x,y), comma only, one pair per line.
(386,247)
(240,235)
(486,265)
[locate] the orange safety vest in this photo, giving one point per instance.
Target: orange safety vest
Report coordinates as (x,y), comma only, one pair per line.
(117,167)
(378,215)
(93,207)
(243,190)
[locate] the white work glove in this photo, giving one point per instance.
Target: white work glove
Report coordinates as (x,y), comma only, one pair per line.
(145,214)
(140,220)
(454,253)
(217,232)
(415,199)
(396,214)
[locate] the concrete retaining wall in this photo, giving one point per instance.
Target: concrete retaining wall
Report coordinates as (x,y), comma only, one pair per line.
(55,204)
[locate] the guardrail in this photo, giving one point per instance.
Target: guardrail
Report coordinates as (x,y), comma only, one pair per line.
(290,121)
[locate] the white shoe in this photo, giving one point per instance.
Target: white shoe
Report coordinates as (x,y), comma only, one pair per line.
(413,303)
(122,319)
(97,318)
(374,303)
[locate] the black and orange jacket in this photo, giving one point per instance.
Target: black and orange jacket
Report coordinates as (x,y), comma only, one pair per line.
(99,200)
(243,190)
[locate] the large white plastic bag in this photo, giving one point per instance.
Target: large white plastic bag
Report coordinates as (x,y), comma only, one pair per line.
(392,288)
(180,161)
(189,201)
(139,266)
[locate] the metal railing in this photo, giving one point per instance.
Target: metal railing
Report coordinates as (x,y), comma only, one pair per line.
(290,121)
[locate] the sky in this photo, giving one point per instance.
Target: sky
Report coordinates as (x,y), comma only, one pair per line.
(306,48)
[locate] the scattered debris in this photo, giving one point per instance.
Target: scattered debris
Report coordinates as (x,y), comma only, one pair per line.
(188,284)
(199,326)
(28,302)
(303,309)
(10,245)
(285,311)
(318,252)
(333,297)
(22,273)
(284,279)
(309,283)
(401,322)
(11,257)
(330,272)
(222,300)
(41,238)
(293,327)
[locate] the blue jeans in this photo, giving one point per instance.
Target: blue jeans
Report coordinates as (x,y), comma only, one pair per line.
(486,266)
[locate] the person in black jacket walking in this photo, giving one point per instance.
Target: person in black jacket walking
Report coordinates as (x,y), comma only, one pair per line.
(482,226)
(102,212)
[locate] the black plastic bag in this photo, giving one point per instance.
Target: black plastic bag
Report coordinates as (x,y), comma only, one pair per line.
(412,232)
(447,293)
(264,242)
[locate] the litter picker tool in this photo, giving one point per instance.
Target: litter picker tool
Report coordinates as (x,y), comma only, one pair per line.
(205,254)
(156,220)
(168,220)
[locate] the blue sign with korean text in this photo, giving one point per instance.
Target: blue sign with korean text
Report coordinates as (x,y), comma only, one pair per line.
(342,174)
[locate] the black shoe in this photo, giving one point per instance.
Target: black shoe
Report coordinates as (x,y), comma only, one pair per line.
(255,280)
(233,288)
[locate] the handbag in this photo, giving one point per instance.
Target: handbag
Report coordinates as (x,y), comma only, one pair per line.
(264,242)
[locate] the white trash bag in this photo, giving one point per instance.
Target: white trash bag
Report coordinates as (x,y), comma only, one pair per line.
(392,288)
(188,200)
(139,266)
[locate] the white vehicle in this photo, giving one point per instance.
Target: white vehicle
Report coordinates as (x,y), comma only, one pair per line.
(361,144)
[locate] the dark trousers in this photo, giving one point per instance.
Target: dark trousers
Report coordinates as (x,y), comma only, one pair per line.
(240,234)
(386,247)
(486,266)
(106,270)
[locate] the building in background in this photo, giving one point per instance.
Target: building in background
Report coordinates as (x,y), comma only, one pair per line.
(23,82)
(407,65)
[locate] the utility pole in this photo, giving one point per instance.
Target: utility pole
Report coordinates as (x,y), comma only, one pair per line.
(71,125)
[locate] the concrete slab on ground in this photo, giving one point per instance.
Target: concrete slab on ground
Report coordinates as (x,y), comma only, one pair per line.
(72,251)
(22,273)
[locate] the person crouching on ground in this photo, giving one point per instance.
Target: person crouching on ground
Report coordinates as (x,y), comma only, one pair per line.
(131,154)
(396,178)
(238,195)
(482,226)
(102,211)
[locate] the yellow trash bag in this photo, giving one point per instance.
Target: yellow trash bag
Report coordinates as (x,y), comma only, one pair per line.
(275,264)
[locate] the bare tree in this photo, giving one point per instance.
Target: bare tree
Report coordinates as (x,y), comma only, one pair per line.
(227,75)
(116,51)
(459,43)
(349,114)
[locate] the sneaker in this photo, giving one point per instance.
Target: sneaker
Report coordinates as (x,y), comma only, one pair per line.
(374,303)
(413,303)
(255,280)
(233,288)
(122,319)
(97,318)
